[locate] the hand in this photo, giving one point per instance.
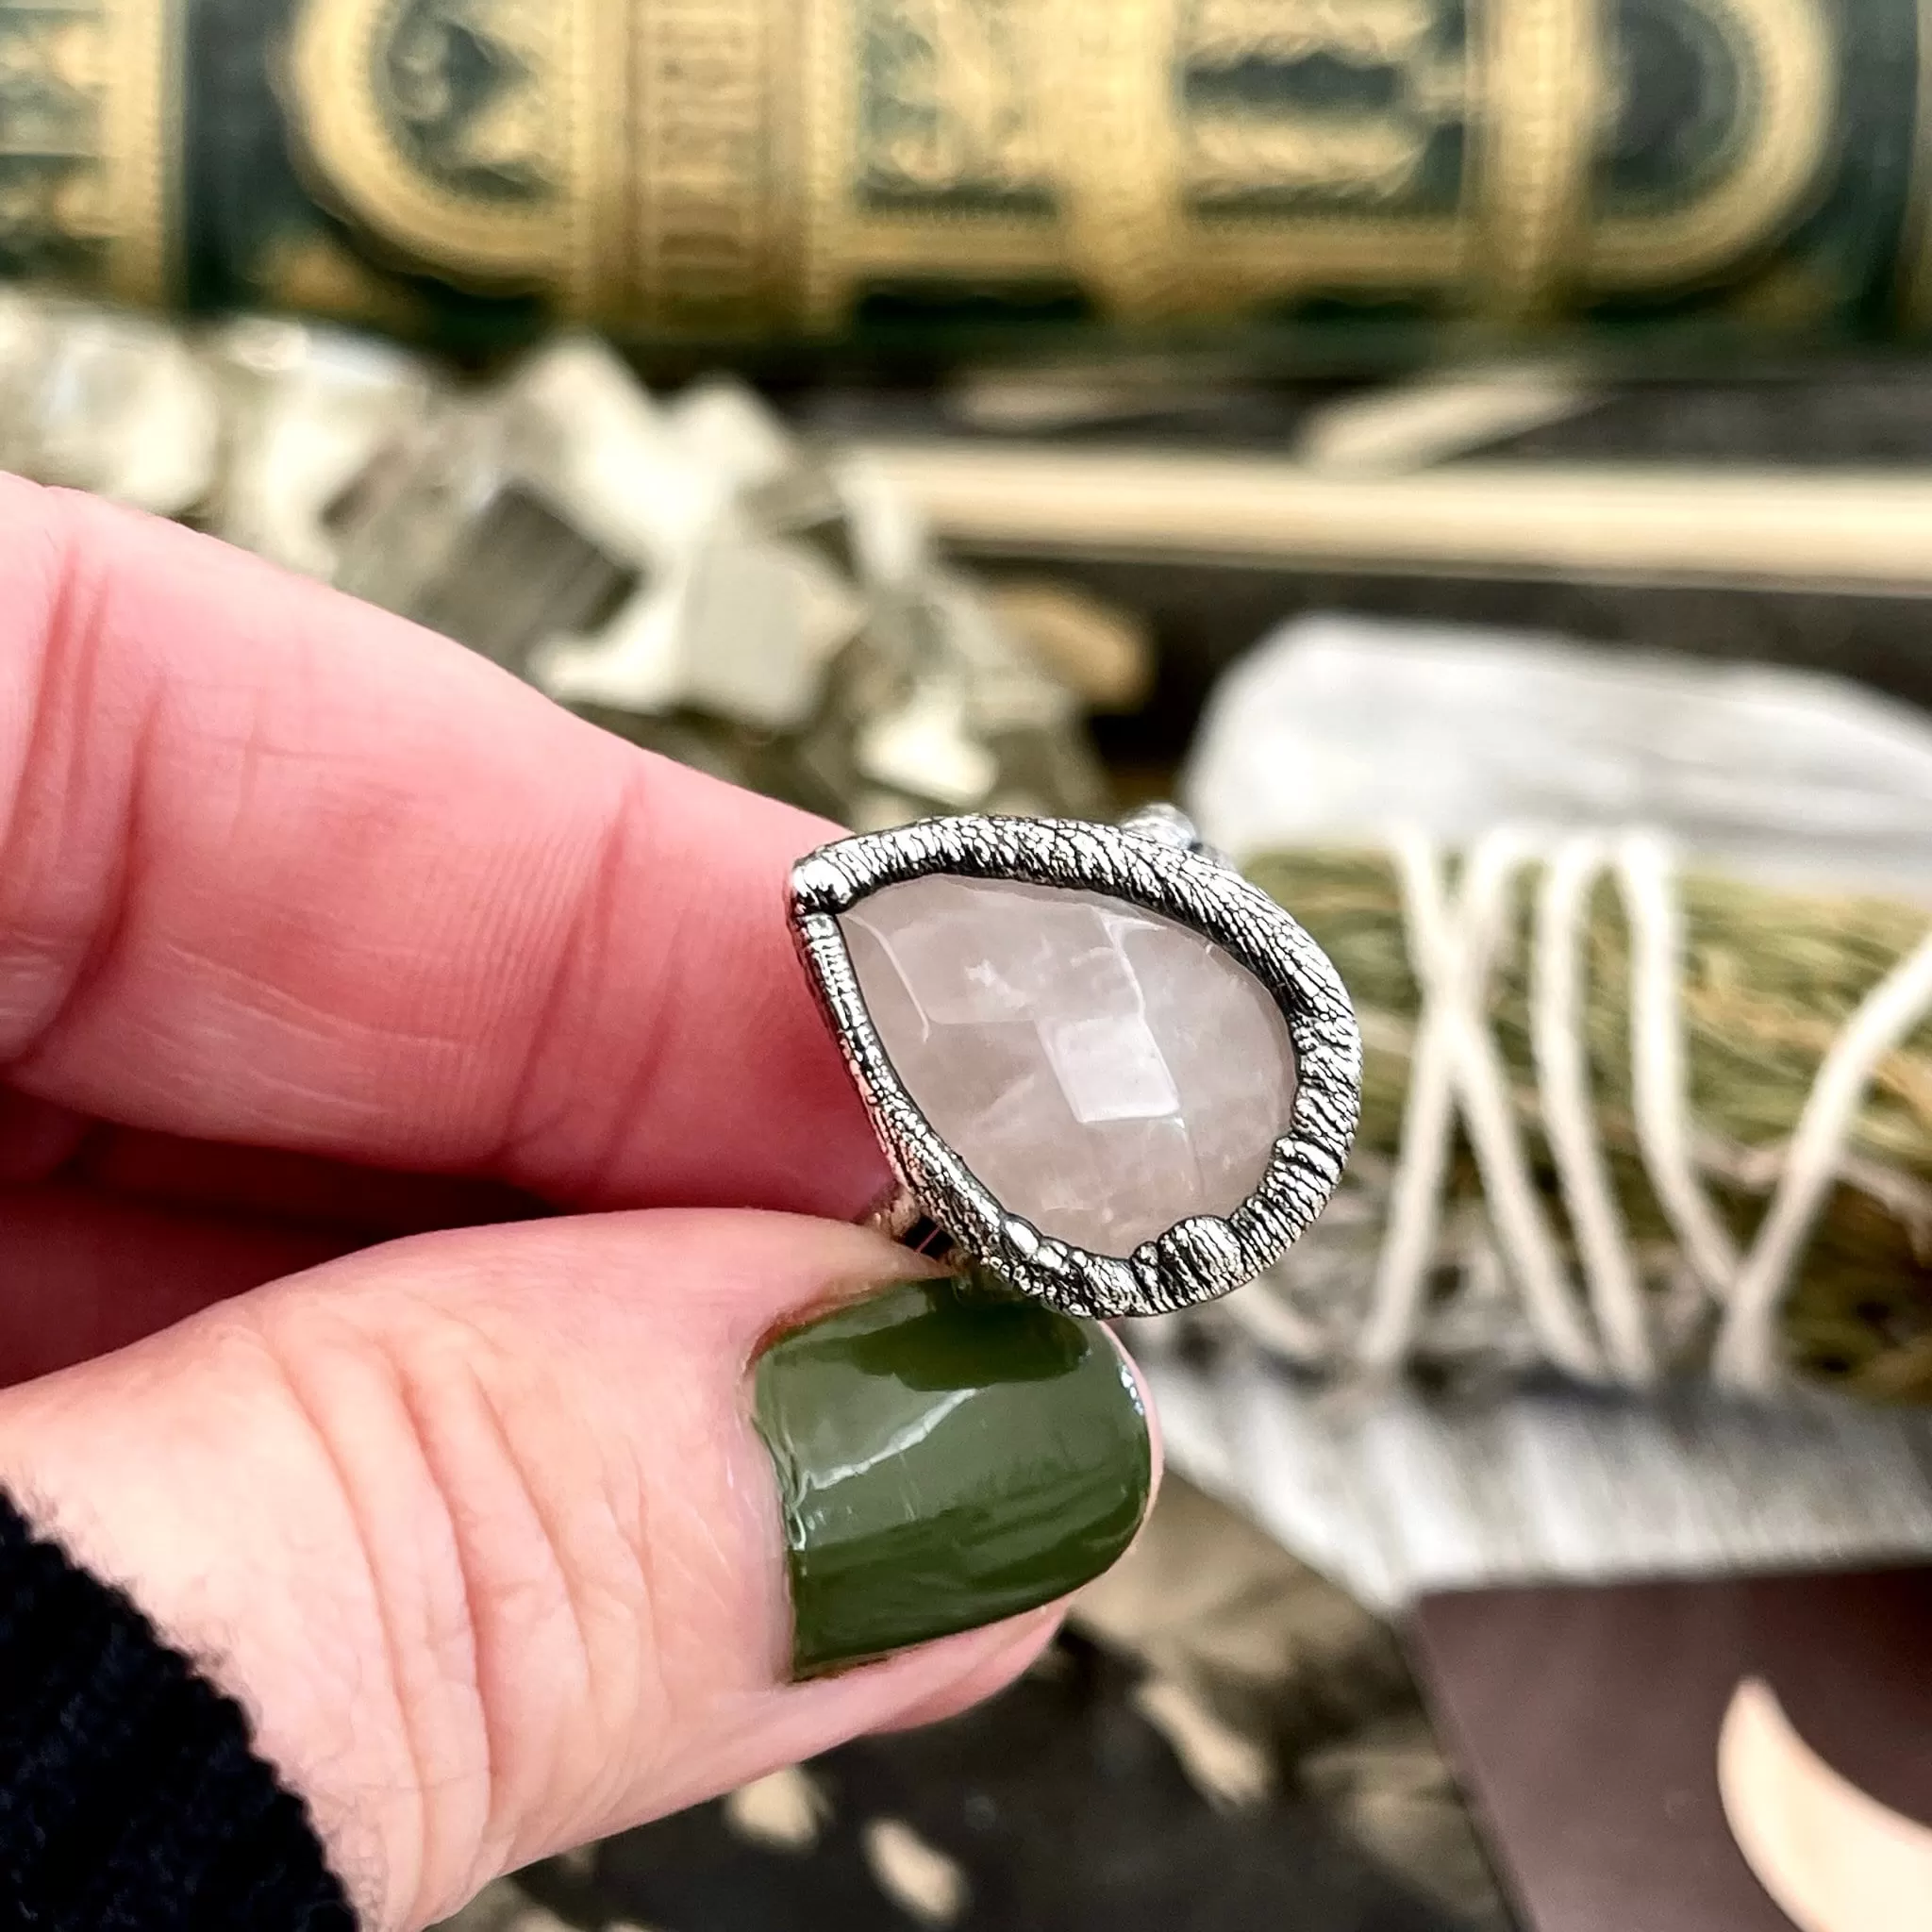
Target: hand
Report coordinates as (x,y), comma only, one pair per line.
(391,1066)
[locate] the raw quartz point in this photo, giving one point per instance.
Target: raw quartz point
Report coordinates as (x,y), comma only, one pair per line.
(1104,1072)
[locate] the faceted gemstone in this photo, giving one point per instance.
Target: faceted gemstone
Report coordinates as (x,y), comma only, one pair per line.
(1104,1072)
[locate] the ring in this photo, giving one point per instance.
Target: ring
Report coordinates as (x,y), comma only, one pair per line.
(1101,1063)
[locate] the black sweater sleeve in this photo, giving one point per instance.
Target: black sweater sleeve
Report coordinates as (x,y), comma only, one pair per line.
(129,1794)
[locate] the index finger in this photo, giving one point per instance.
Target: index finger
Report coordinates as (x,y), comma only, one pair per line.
(279,868)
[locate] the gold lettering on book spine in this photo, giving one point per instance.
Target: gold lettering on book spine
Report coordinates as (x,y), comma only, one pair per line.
(90,127)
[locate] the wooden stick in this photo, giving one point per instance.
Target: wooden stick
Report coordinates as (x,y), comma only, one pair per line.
(1864,529)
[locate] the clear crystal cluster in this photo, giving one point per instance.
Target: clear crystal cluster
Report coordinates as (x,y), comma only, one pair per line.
(683,570)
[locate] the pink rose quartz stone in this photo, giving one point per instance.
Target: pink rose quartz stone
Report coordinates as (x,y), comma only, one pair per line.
(1103,1073)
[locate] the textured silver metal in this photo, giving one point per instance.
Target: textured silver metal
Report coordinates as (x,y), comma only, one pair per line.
(1158,864)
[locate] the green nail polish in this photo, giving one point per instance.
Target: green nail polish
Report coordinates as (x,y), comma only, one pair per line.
(945,1459)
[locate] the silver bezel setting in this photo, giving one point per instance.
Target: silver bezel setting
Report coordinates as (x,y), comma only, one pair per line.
(1155,868)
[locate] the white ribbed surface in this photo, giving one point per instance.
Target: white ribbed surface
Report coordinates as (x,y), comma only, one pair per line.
(1393,1495)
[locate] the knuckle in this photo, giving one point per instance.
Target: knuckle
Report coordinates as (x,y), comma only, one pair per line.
(504,1539)
(63,779)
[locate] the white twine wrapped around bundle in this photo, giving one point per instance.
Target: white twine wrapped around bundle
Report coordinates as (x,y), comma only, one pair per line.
(1528,760)
(1603,1328)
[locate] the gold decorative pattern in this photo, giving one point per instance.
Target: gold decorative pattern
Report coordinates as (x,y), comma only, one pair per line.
(709,186)
(355,129)
(1914,282)
(141,115)
(602,281)
(1378,33)
(1371,155)
(1142,198)
(1784,134)
(962,94)
(90,127)
(1111,118)
(827,115)
(725,167)
(1540,103)
(316,275)
(1348,222)
(970,201)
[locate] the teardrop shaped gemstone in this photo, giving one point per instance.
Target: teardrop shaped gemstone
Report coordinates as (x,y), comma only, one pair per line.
(1103,1072)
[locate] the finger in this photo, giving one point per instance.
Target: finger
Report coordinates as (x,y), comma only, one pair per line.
(87,1274)
(481,1530)
(273,1184)
(129,1232)
(1024,1639)
(275,867)
(37,1139)
(41,1142)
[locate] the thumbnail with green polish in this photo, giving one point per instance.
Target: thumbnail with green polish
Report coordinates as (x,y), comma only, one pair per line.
(945,1460)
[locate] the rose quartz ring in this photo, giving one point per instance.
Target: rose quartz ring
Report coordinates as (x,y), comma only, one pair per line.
(1100,1062)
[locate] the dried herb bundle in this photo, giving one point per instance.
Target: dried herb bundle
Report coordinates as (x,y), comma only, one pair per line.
(1771,976)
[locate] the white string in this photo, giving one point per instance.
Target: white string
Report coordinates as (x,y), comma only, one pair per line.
(1746,1356)
(1457,1071)
(1453,950)
(1562,1064)
(1660,1086)
(1428,1119)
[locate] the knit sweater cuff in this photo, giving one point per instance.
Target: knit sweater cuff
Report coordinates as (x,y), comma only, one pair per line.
(130,1795)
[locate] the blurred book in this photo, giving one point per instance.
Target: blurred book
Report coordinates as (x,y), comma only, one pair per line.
(1326,183)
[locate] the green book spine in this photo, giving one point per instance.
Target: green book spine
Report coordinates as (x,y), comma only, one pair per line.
(1415,173)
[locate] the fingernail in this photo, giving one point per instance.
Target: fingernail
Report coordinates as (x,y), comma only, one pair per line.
(945,1460)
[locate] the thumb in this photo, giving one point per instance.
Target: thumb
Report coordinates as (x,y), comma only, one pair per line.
(511,1538)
